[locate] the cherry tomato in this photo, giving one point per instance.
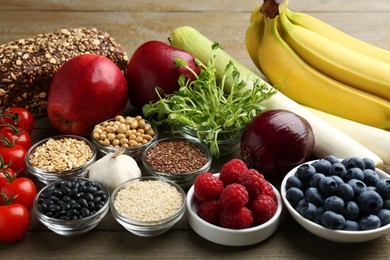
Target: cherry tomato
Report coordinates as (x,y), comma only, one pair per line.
(6,175)
(14,222)
(14,157)
(20,190)
(16,135)
(19,117)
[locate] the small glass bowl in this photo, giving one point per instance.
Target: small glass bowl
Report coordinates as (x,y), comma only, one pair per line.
(184,179)
(228,140)
(152,227)
(71,227)
(135,152)
(47,176)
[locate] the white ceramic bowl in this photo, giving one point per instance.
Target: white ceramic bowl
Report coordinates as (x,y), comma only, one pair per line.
(226,236)
(331,234)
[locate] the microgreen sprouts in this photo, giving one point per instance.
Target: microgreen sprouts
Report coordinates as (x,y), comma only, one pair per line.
(202,105)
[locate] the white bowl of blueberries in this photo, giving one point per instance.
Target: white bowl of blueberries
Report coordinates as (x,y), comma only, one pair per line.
(342,200)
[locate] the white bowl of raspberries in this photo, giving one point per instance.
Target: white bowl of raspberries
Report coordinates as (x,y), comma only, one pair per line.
(236,207)
(345,201)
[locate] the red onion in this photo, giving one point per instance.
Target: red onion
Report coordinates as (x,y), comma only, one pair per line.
(276,141)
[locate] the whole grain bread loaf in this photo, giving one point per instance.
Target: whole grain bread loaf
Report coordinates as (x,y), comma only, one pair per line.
(28,65)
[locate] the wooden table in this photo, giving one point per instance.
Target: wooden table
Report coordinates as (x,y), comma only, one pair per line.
(133,22)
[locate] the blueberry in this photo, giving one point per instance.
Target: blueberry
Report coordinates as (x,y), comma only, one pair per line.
(345,191)
(332,220)
(315,180)
(318,215)
(371,178)
(354,173)
(328,186)
(294,195)
(351,225)
(294,181)
(314,196)
(333,203)
(357,186)
(338,169)
(306,209)
(332,159)
(369,164)
(305,171)
(383,188)
(369,202)
(351,210)
(337,179)
(322,166)
(356,162)
(369,222)
(384,216)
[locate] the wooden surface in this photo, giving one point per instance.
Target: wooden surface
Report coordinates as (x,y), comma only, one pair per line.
(133,22)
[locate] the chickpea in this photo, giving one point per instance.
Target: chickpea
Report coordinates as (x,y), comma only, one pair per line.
(106,142)
(133,143)
(139,139)
(122,129)
(111,136)
(141,123)
(115,142)
(150,132)
(120,118)
(134,124)
(123,140)
(120,136)
(141,130)
(96,135)
(110,129)
(147,137)
(102,136)
(125,146)
(147,127)
(132,137)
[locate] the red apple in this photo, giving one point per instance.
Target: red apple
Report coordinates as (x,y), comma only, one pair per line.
(85,91)
(153,64)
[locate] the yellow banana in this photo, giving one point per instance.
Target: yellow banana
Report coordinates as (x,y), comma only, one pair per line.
(254,33)
(337,61)
(334,34)
(302,83)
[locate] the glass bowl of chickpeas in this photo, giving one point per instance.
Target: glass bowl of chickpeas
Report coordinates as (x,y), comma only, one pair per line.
(132,134)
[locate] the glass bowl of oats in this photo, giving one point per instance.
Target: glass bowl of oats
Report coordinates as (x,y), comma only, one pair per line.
(60,157)
(148,206)
(132,134)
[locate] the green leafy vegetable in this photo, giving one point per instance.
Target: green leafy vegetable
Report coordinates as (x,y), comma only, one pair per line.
(203,105)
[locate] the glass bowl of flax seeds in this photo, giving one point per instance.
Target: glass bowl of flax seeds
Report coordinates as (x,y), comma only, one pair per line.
(177,159)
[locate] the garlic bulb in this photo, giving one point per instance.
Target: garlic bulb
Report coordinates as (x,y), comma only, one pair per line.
(114,169)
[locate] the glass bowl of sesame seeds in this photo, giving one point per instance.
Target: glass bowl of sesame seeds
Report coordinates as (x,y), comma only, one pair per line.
(132,134)
(60,157)
(148,206)
(177,159)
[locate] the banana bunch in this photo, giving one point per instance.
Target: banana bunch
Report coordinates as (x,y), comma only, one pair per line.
(319,66)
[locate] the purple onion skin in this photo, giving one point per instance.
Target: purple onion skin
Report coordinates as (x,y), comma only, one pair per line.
(276,141)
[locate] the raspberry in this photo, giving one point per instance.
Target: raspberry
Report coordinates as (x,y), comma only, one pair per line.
(231,171)
(263,208)
(209,211)
(233,197)
(241,218)
(252,181)
(207,187)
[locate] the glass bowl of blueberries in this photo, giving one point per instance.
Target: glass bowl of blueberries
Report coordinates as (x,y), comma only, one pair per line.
(73,206)
(342,200)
